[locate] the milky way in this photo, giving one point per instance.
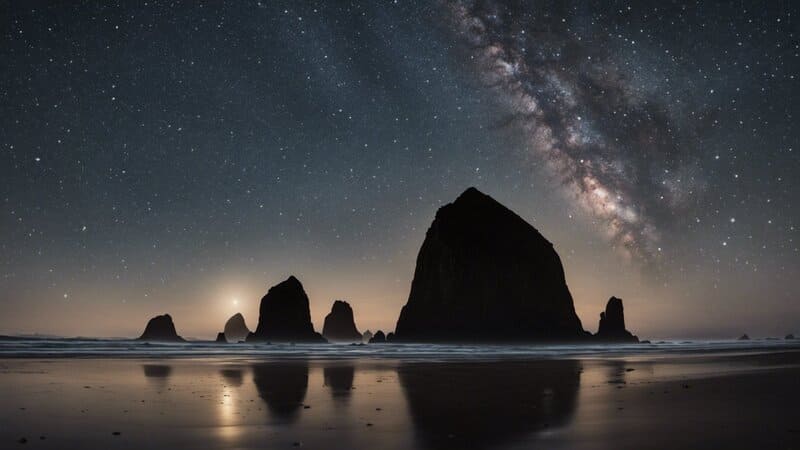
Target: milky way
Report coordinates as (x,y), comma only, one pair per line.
(161,159)
(611,147)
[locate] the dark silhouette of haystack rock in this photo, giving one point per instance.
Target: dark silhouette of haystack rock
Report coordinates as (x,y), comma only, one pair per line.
(284,315)
(378,338)
(221,338)
(367,336)
(235,328)
(483,274)
(744,337)
(340,325)
(160,328)
(612,324)
(789,337)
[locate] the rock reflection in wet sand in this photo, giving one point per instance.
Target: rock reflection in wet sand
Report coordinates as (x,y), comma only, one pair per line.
(482,405)
(389,404)
(282,386)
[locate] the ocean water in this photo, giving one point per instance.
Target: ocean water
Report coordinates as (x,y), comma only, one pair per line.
(118,348)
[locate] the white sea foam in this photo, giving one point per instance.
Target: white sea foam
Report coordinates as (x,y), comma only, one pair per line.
(56,348)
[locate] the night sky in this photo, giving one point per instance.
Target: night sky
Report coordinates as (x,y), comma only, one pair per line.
(183,157)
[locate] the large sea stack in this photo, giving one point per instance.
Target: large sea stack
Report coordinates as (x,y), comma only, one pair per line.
(160,328)
(284,315)
(483,274)
(235,328)
(340,325)
(612,324)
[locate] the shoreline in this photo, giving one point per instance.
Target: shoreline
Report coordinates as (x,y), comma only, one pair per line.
(76,349)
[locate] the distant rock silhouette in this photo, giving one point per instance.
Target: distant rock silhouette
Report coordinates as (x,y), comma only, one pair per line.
(378,338)
(284,315)
(340,325)
(390,337)
(789,337)
(367,336)
(160,328)
(744,337)
(235,328)
(612,324)
(221,338)
(483,274)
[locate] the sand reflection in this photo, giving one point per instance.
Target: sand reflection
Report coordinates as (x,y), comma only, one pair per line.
(480,405)
(233,377)
(228,416)
(156,370)
(339,379)
(282,386)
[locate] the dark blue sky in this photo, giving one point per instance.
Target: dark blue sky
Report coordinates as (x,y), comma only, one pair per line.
(183,157)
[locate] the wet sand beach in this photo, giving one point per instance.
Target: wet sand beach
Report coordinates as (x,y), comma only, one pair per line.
(731,400)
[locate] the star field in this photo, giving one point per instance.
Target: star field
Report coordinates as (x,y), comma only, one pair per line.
(183,157)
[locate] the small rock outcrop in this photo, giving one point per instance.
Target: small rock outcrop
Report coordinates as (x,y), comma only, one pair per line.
(284,315)
(340,325)
(789,337)
(484,274)
(161,328)
(612,324)
(378,338)
(389,337)
(221,338)
(744,337)
(367,336)
(235,328)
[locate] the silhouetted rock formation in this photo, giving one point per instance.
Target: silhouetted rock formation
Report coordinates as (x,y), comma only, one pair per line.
(282,386)
(390,337)
(284,315)
(612,324)
(367,336)
(235,328)
(378,338)
(468,405)
(483,274)
(340,325)
(221,338)
(744,337)
(789,337)
(160,328)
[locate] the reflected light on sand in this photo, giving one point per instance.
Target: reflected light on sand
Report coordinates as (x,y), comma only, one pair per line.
(229,428)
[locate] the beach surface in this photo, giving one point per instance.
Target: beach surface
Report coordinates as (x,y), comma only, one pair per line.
(737,398)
